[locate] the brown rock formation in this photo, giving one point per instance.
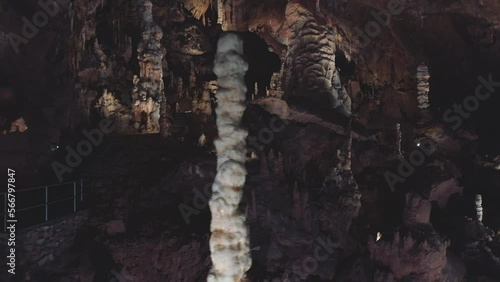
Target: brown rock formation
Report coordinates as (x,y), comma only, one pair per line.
(150,55)
(311,61)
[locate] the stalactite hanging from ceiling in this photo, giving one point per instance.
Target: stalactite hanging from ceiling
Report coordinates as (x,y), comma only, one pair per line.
(228,13)
(220,12)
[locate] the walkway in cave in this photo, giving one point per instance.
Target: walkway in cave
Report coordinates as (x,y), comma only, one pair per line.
(134,168)
(129,179)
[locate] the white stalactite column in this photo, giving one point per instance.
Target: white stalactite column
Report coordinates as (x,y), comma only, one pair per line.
(229,242)
(479,207)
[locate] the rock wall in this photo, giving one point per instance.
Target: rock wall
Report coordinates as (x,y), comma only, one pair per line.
(40,245)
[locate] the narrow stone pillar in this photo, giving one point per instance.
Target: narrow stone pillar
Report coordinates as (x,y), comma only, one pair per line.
(150,56)
(423,86)
(479,207)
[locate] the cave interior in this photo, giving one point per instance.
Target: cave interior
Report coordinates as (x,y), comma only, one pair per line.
(364,135)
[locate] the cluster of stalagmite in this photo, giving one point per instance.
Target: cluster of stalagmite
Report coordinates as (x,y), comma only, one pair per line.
(229,242)
(340,181)
(423,86)
(311,61)
(408,256)
(419,253)
(148,96)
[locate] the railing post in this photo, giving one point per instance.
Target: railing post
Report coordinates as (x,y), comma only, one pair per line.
(74,196)
(5,215)
(46,203)
(81,190)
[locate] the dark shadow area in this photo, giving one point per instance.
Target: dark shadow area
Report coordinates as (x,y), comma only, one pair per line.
(459,66)
(346,67)
(262,63)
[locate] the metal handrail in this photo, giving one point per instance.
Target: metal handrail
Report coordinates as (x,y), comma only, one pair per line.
(41,205)
(46,202)
(45,186)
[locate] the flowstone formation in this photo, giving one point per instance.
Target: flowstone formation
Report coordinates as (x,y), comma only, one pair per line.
(150,101)
(229,242)
(311,61)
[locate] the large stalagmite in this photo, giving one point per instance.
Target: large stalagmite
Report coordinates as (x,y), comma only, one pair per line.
(311,61)
(229,243)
